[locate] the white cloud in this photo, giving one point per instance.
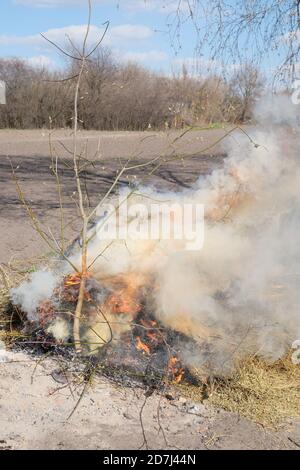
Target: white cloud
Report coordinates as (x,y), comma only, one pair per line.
(129,31)
(162,6)
(126,32)
(47,3)
(10,40)
(166,6)
(144,57)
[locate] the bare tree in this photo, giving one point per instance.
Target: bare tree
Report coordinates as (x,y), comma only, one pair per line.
(115,96)
(30,97)
(245,87)
(242,30)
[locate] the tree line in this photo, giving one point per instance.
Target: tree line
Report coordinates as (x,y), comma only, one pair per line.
(117,96)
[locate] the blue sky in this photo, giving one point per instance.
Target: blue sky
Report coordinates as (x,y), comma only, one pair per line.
(138,30)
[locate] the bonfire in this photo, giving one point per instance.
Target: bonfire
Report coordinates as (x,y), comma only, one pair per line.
(153,309)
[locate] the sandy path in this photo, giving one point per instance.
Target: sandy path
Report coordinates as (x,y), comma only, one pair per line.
(34,416)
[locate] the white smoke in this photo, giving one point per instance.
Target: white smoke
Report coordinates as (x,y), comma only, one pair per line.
(240,293)
(31,293)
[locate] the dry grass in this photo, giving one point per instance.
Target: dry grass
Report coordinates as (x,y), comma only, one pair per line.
(263,392)
(4,299)
(266,393)
(8,331)
(12,275)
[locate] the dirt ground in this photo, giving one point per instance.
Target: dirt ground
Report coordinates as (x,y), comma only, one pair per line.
(28,152)
(34,405)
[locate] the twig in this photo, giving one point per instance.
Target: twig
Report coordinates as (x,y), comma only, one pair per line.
(145,442)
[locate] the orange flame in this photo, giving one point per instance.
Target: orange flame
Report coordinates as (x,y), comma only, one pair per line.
(126,289)
(123,302)
(73,280)
(142,346)
(152,336)
(174,367)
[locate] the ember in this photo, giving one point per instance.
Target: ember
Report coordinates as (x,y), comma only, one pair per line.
(47,312)
(142,346)
(152,331)
(69,289)
(175,369)
(72,279)
(116,324)
(122,302)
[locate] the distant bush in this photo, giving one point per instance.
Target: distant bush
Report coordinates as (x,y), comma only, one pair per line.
(115,96)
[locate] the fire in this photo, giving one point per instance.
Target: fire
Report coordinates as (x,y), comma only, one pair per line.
(125,295)
(70,288)
(175,369)
(152,337)
(125,291)
(142,346)
(123,302)
(46,312)
(152,331)
(73,279)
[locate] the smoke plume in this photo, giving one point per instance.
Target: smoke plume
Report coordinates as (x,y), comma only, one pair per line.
(239,294)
